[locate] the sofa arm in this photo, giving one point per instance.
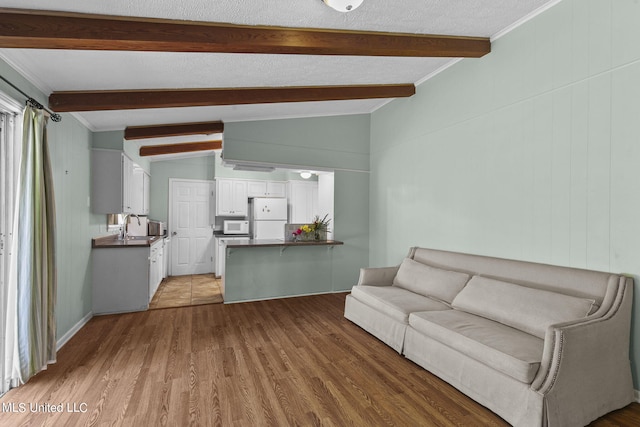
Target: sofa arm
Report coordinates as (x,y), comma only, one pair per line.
(377,276)
(585,371)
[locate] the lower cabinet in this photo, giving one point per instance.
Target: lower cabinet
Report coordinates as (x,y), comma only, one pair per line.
(166,254)
(126,278)
(156,267)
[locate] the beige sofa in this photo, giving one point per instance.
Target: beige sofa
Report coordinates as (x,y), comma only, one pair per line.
(539,345)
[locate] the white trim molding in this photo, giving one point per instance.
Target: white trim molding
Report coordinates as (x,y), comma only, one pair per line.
(286,296)
(71,332)
(493,38)
(524,19)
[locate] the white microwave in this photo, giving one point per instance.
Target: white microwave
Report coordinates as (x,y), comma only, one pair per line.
(232,226)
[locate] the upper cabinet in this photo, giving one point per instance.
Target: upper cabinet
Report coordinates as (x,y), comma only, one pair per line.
(117,184)
(140,191)
(231,197)
(303,201)
(266,189)
(111,177)
(127,184)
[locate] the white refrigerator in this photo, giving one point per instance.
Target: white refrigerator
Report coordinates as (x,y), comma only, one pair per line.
(267,216)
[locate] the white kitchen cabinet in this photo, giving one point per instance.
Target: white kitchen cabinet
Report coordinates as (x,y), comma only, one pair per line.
(303,201)
(146,193)
(166,253)
(156,266)
(140,191)
(258,188)
(231,197)
(128,192)
(216,255)
(117,184)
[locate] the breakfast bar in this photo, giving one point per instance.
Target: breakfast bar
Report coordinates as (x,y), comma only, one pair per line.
(266,269)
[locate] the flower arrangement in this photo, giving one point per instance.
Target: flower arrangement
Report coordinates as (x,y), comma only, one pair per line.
(314,230)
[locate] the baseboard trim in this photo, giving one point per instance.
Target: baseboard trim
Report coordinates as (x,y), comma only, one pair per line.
(636,395)
(286,296)
(71,332)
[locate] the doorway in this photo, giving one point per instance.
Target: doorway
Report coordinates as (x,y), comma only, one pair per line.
(191,226)
(191,279)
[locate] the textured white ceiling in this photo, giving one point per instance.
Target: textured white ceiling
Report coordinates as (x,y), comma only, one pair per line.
(55,70)
(86,70)
(454,17)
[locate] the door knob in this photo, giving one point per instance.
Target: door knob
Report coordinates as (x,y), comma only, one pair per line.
(174,233)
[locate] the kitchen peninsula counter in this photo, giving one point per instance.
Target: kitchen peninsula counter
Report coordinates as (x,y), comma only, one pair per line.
(265,269)
(111,241)
(264,243)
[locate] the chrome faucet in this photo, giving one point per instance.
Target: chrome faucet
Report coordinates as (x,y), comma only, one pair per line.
(125,220)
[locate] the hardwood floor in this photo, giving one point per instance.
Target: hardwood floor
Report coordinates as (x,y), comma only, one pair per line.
(293,361)
(182,291)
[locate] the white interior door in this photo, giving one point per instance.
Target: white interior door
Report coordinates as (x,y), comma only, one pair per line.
(190,227)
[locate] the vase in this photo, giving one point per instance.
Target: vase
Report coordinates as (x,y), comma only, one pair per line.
(320,235)
(307,237)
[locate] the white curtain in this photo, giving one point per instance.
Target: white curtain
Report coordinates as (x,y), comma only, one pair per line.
(10,137)
(30,330)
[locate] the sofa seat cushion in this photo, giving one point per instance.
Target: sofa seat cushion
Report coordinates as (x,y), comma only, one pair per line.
(505,349)
(429,281)
(395,302)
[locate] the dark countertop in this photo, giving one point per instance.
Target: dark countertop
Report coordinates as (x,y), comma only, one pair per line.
(250,243)
(111,241)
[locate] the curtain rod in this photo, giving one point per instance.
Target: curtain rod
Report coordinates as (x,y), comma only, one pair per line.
(33,103)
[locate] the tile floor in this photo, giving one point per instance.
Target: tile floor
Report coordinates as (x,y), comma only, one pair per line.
(180,291)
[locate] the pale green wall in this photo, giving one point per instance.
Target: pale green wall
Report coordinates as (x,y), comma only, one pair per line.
(200,168)
(531,152)
(114,140)
(340,143)
(108,140)
(70,146)
(333,142)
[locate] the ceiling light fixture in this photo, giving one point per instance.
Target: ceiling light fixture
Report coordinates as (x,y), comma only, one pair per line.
(343,5)
(305,174)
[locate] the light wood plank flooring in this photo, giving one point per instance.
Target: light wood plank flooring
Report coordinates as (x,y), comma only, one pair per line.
(293,361)
(182,291)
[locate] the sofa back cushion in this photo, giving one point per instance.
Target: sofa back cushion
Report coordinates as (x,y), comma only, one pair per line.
(430,281)
(601,286)
(527,309)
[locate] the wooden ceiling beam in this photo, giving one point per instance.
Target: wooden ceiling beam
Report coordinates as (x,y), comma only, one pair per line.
(187,147)
(64,102)
(37,29)
(175,129)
